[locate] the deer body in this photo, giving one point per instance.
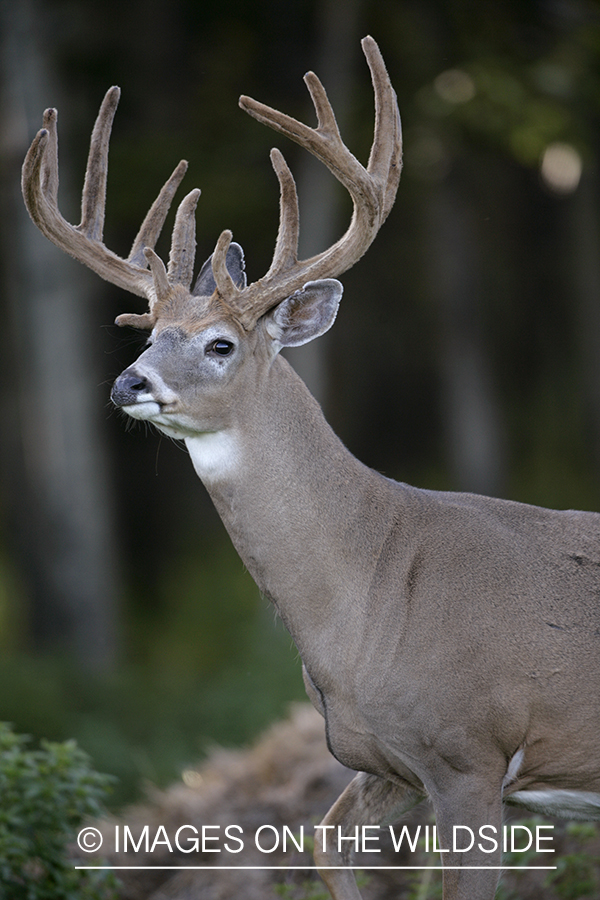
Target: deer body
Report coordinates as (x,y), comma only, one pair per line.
(407,606)
(451,642)
(443,635)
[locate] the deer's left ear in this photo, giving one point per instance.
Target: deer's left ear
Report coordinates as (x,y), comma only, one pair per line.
(305,314)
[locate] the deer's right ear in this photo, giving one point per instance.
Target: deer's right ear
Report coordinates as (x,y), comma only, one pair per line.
(305,314)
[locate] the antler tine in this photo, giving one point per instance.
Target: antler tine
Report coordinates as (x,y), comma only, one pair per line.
(40,175)
(227,290)
(49,172)
(93,198)
(385,160)
(286,246)
(373,190)
(183,243)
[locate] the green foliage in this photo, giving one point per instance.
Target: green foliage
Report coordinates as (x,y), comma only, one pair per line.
(148,721)
(204,662)
(577,873)
(507,108)
(46,794)
(426,885)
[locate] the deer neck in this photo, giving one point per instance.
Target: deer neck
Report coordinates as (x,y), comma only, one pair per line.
(295,502)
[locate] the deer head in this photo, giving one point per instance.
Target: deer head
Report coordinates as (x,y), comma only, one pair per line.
(221,325)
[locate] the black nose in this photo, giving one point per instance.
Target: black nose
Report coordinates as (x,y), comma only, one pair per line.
(127,388)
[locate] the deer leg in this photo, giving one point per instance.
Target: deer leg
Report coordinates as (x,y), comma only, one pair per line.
(368,800)
(472,856)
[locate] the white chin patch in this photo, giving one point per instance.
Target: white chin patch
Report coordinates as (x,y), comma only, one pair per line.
(147,409)
(215,455)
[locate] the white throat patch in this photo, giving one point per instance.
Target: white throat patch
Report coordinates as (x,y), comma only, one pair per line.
(215,455)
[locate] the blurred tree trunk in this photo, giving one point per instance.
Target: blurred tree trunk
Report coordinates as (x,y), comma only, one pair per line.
(582,239)
(54,478)
(318,192)
(471,415)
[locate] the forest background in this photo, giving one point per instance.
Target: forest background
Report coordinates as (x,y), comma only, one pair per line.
(466,354)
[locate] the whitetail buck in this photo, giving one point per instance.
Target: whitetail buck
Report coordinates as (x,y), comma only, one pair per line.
(451,641)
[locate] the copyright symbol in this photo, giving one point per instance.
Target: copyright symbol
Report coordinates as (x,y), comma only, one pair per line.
(89,839)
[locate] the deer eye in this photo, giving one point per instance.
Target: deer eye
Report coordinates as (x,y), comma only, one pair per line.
(223,348)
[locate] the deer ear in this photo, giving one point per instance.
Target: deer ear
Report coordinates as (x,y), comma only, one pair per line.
(205,283)
(305,314)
